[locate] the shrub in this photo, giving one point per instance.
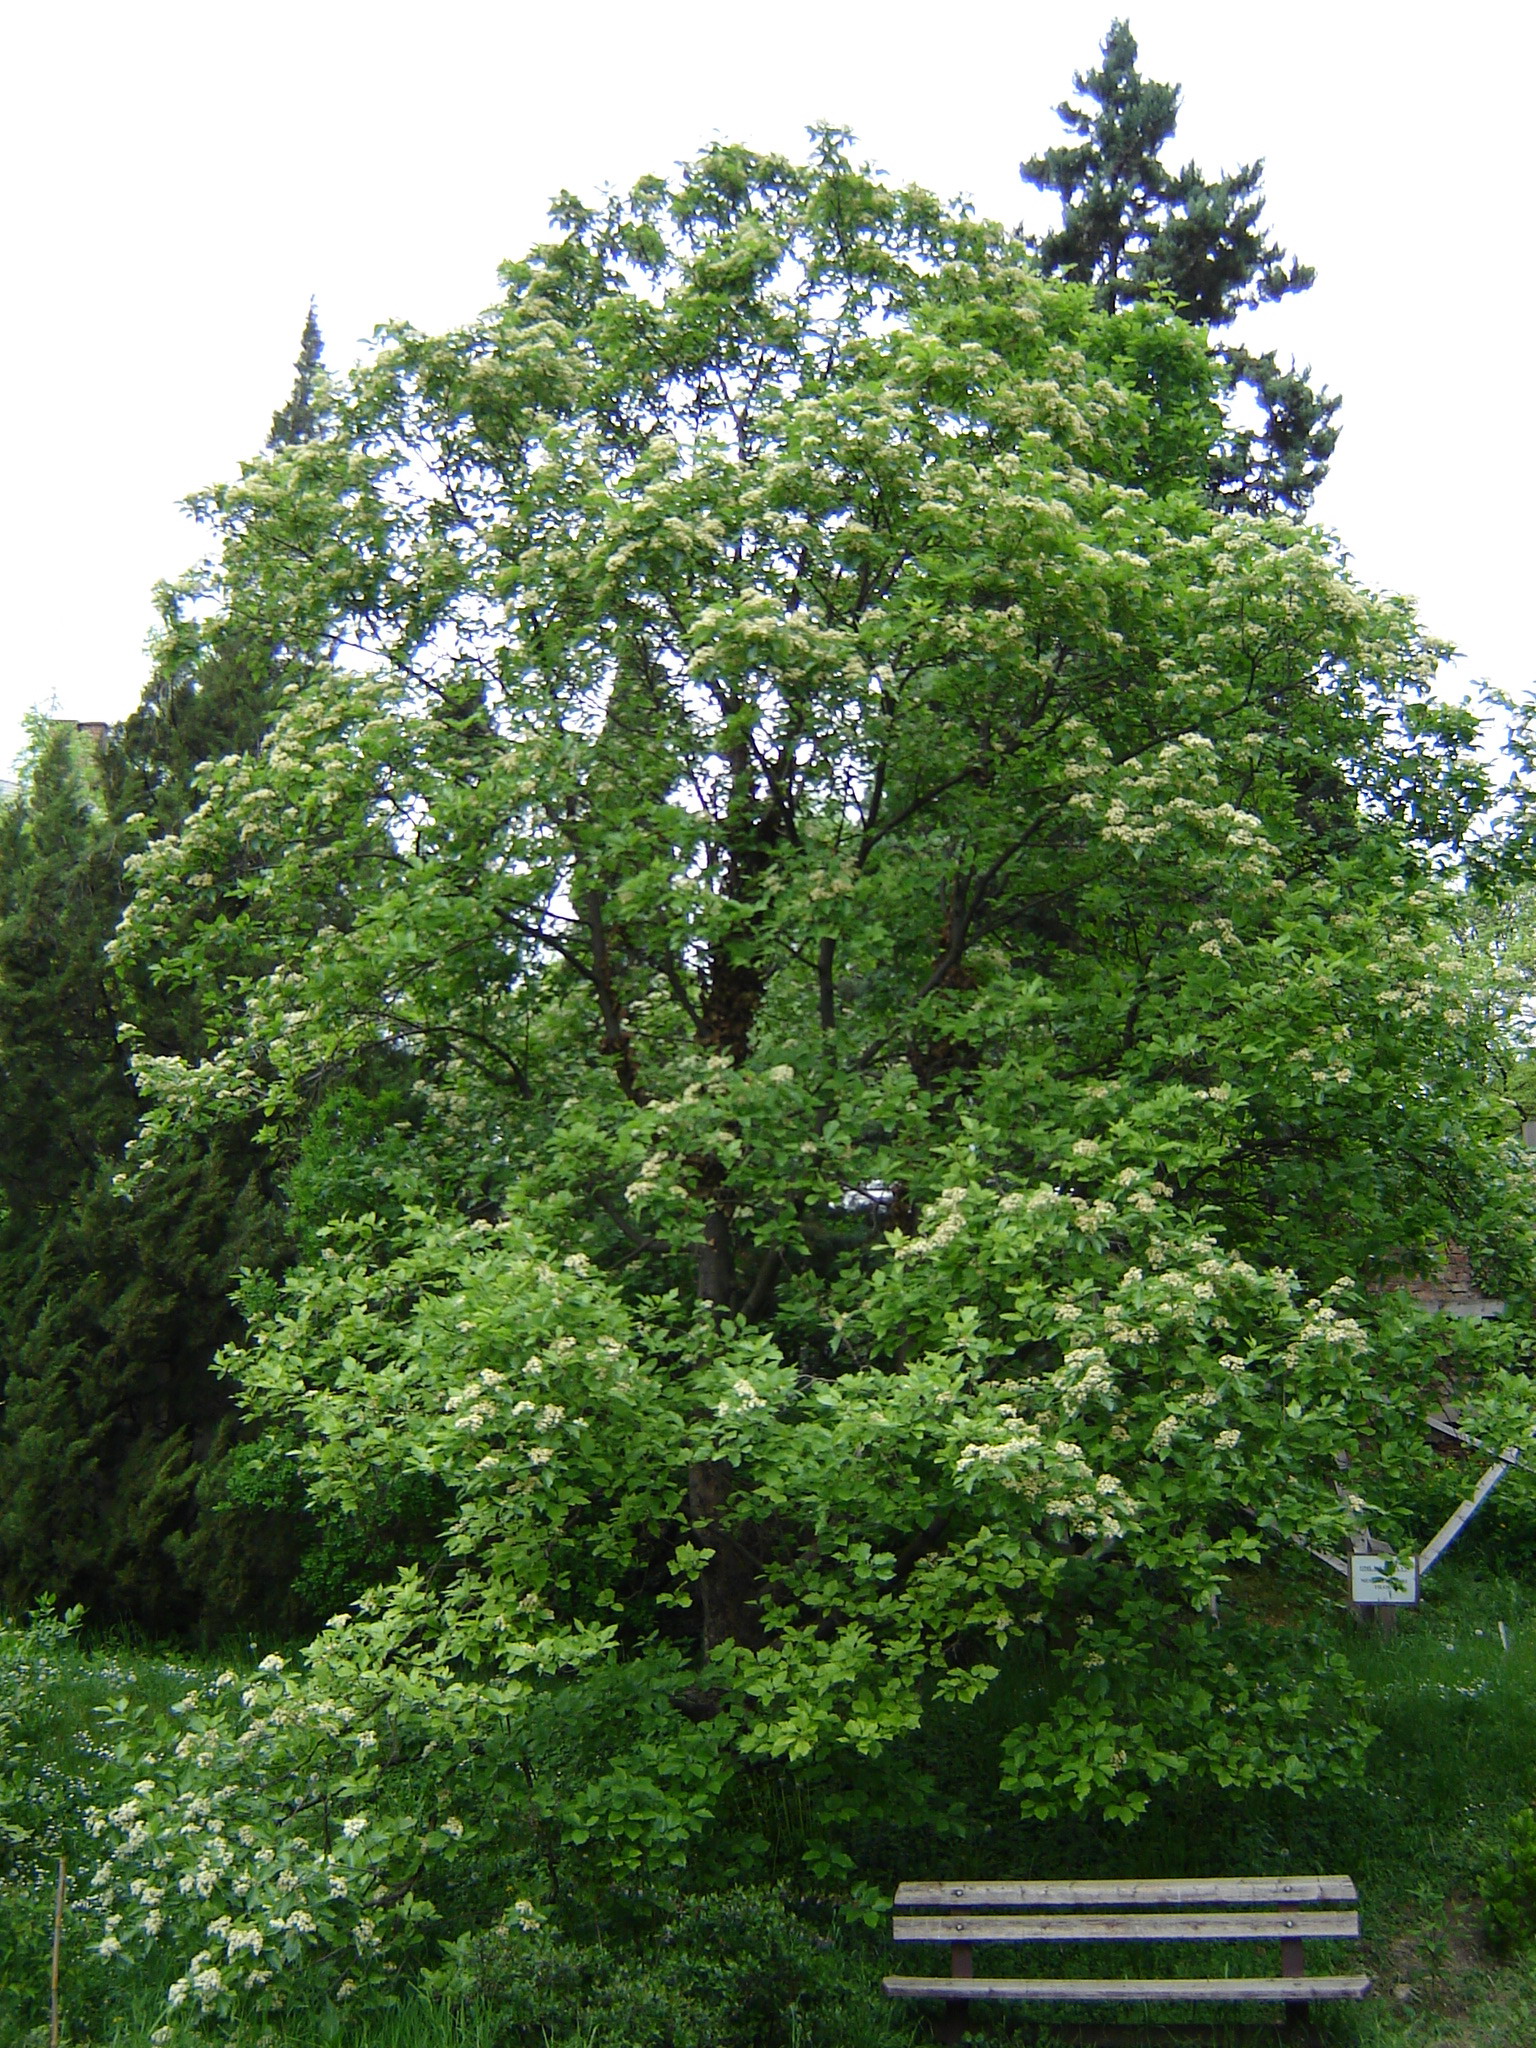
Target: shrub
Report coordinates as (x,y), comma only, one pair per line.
(1508,1884)
(736,1969)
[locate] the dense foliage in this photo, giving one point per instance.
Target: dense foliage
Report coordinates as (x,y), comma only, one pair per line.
(885,976)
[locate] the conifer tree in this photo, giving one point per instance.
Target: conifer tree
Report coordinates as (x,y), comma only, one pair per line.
(113,1427)
(1135,229)
(299,420)
(111,1419)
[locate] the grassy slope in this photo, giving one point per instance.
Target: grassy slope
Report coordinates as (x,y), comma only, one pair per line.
(1457,1754)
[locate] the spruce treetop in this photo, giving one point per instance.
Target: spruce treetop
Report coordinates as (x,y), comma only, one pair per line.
(300,419)
(1133,229)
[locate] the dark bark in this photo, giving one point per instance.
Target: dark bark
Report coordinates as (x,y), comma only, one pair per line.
(728,1585)
(615,1039)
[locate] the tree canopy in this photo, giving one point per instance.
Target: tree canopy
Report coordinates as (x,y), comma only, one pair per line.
(928,965)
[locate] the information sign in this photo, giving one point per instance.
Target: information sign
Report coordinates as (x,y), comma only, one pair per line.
(1384,1581)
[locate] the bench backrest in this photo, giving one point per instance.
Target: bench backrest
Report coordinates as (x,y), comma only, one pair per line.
(1130,1909)
(1136,1891)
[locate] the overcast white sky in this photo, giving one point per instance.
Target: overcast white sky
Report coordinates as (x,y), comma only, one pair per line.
(179,176)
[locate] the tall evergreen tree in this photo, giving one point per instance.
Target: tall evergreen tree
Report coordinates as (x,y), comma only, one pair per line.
(300,419)
(113,1425)
(111,1418)
(1135,229)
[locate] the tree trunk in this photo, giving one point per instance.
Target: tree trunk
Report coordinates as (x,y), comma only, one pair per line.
(727,1587)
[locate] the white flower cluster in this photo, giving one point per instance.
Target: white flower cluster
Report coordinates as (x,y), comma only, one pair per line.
(1084,1375)
(1021,1459)
(948,1221)
(742,1398)
(209,1852)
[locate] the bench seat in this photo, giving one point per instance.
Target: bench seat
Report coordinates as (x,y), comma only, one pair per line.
(1132,1990)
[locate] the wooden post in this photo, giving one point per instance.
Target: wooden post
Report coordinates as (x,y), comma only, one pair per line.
(58,1931)
(957,2010)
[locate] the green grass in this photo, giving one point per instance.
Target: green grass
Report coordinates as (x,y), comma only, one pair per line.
(1457,1755)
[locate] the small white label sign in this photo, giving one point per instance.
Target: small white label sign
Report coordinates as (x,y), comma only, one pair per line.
(1384,1581)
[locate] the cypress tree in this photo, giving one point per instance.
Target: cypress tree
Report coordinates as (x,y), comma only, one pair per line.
(114,1429)
(1133,228)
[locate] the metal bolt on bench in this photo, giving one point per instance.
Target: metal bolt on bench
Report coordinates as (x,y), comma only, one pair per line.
(1129,1909)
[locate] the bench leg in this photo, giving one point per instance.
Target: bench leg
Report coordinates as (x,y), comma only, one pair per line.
(1298,2015)
(957,2011)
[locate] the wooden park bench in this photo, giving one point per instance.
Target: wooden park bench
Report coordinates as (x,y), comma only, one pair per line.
(1129,1909)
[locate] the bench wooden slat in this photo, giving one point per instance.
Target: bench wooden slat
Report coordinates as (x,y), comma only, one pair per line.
(1136,1891)
(1129,1927)
(1131,1990)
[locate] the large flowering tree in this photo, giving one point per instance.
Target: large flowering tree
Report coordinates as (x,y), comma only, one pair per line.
(930,964)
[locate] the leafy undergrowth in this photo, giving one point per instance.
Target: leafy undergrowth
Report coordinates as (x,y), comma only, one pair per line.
(1453,1695)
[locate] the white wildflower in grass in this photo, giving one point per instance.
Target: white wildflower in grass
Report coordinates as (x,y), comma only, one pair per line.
(272,1663)
(453,1827)
(355,1825)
